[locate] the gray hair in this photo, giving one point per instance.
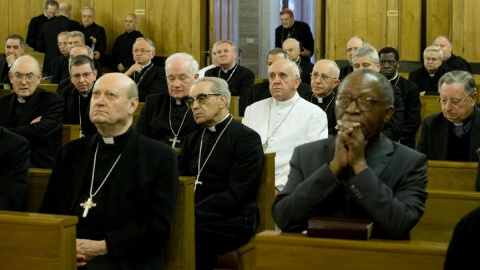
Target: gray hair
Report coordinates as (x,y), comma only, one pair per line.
(381,80)
(295,42)
(149,41)
(292,65)
(87,8)
(89,50)
(367,50)
(184,56)
(234,48)
(219,86)
(434,48)
(459,76)
(15,36)
(77,34)
(278,51)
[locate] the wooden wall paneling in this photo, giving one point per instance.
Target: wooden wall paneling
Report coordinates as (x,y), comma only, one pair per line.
(76,7)
(409,46)
(334,41)
(160,22)
(319,26)
(104,17)
(438,19)
(392,27)
(19,18)
(465,35)
(4,22)
(199,35)
(120,9)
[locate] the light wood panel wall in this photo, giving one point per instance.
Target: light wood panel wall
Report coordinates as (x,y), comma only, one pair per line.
(174,26)
(394,23)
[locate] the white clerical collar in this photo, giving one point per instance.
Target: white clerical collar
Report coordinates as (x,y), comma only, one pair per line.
(458,124)
(287,103)
(109,140)
(85,94)
(320,100)
(227,70)
(394,77)
(431,74)
(146,64)
(213,129)
(20,100)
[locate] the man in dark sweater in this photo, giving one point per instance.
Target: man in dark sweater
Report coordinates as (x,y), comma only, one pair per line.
(37,22)
(294,29)
(95,36)
(450,60)
(122,48)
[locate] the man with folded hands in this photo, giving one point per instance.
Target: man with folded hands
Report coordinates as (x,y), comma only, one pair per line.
(359,173)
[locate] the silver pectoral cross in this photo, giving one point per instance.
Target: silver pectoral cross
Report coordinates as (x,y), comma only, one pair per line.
(174,140)
(196,183)
(87,205)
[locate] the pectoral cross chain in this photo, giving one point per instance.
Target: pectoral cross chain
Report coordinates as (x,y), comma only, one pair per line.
(87,205)
(196,183)
(174,140)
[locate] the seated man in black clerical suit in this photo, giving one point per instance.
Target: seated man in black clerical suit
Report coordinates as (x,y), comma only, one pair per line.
(149,78)
(291,28)
(121,185)
(166,116)
(227,159)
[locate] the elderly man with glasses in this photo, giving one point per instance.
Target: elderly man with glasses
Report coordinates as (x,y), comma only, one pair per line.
(32,112)
(454,133)
(150,79)
(359,173)
(226,158)
(165,116)
(77,96)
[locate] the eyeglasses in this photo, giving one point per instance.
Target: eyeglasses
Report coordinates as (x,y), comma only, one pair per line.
(363,103)
(201,99)
(324,77)
(30,77)
(454,101)
(182,78)
(140,51)
(84,75)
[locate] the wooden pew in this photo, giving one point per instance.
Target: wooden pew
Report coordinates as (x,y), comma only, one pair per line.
(139,107)
(451,175)
(136,114)
(179,250)
(70,133)
(36,190)
(37,241)
(51,87)
(431,105)
(235,105)
(443,210)
(277,250)
(266,195)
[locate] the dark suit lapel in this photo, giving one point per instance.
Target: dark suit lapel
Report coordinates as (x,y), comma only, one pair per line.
(379,154)
(125,168)
(26,116)
(6,109)
(440,140)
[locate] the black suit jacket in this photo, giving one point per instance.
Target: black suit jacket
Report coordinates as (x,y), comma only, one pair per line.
(71,113)
(422,78)
(411,113)
(435,136)
(14,178)
(300,31)
(457,63)
(4,71)
(141,202)
(151,80)
(44,136)
(306,68)
(98,32)
(47,39)
(34,29)
(239,83)
(157,113)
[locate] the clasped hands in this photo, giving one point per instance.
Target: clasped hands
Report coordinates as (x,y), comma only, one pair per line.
(349,148)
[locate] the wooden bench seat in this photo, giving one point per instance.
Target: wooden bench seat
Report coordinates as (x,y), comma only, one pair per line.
(70,133)
(451,175)
(37,241)
(51,87)
(179,250)
(277,250)
(443,210)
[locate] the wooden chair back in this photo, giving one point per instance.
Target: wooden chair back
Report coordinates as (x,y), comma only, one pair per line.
(431,105)
(235,105)
(180,249)
(37,241)
(451,175)
(70,133)
(443,210)
(36,190)
(51,87)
